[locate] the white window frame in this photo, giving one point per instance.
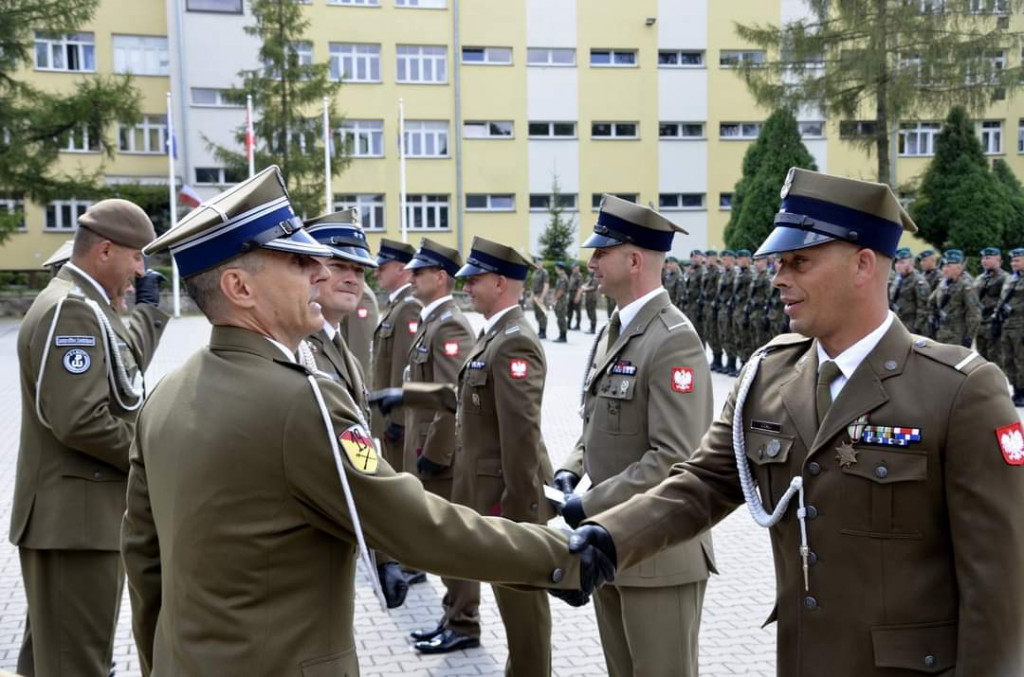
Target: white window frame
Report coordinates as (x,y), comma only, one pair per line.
(613,58)
(421,134)
(988,7)
(492,56)
(679,199)
(149,125)
(354,3)
(746,131)
(551,129)
(734,58)
(617,133)
(678,53)
(572,198)
(595,199)
(361,138)
(493,202)
(421,4)
(238,3)
(913,134)
(722,197)
(75,208)
(141,55)
(222,179)
(10,204)
(430,208)
(680,128)
(421,59)
(484,129)
(370,205)
(990,132)
(363,58)
(544,57)
(83,135)
(808,131)
(218,94)
(82,45)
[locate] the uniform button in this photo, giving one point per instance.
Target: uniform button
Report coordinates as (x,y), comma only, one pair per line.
(812,512)
(813,467)
(556,576)
(812,558)
(930,661)
(920,343)
(881,472)
(533,506)
(97,475)
(810,603)
(760,452)
(773,448)
(890,365)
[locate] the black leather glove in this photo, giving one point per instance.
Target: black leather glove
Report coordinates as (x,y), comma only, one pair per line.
(966,341)
(427,467)
(572,511)
(597,563)
(565,481)
(147,288)
(386,399)
(393,583)
(394,433)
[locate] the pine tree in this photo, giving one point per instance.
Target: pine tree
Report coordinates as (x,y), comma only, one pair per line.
(34,123)
(765,165)
(558,235)
(1013,230)
(960,203)
(881,61)
(288,110)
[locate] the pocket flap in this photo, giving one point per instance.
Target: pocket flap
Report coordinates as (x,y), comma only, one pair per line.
(385,329)
(420,356)
(476,377)
(928,647)
(886,467)
(618,388)
(765,448)
(489,466)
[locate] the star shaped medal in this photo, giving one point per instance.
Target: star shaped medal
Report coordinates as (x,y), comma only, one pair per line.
(846,455)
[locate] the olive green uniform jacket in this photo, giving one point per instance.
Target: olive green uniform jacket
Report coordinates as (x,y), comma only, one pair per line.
(391,342)
(958,309)
(916,551)
(908,298)
(357,329)
(70,482)
(647,402)
(989,287)
(238,545)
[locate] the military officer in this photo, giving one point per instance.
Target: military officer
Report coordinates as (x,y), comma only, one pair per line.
(739,303)
(989,286)
(1011,309)
(927,263)
(250,473)
(81,385)
(391,342)
(887,466)
(575,296)
(708,291)
(539,294)
(908,293)
(562,301)
(646,402)
(760,298)
(956,311)
(723,297)
(357,328)
(590,302)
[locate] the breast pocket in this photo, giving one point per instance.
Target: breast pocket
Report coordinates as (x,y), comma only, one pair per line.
(769,458)
(419,365)
(475,399)
(884,493)
(616,411)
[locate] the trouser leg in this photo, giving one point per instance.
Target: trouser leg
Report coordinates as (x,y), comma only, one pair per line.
(527,620)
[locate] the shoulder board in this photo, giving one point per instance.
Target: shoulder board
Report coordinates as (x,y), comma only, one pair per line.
(513,329)
(412,299)
(961,359)
(445,316)
(76,293)
(787,340)
(674,320)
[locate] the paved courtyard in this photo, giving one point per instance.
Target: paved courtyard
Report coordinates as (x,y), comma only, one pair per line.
(738,599)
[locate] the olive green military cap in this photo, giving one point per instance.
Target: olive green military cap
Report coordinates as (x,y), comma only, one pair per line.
(487,256)
(624,222)
(435,255)
(61,256)
(120,221)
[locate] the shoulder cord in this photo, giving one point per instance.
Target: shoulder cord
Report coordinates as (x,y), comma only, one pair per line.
(747,483)
(113,360)
(586,367)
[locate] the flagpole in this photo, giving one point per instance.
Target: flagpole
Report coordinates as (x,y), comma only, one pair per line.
(250,136)
(401,171)
(327,160)
(173,198)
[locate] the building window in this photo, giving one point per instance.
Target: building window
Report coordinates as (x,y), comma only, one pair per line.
(149,136)
(495,56)
(214,98)
(731,58)
(65,52)
(422,4)
(370,206)
(362,138)
(426,212)
(613,57)
(992,137)
(487,130)
(857,129)
(725,201)
(79,139)
(217,176)
(419,63)
(551,56)
(917,139)
(614,130)
(988,6)
(680,58)
(63,214)
(812,130)
(426,138)
(541,202)
(552,130)
(357,3)
(739,130)
(490,202)
(354,62)
(141,55)
(681,130)
(680,201)
(595,199)
(303,52)
(1020,136)
(225,6)
(14,204)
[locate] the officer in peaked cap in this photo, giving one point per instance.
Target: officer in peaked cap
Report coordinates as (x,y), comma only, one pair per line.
(249,473)
(647,400)
(989,287)
(889,467)
(908,293)
(59,257)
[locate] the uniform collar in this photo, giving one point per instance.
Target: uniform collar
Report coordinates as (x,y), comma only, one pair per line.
(88,278)
(393,296)
(330,330)
(282,348)
(434,305)
(850,359)
(493,320)
(629,311)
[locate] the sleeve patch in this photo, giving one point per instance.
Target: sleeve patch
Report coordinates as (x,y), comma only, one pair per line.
(77,361)
(414,326)
(518,369)
(60,341)
(1011,443)
(359,449)
(362,313)
(451,348)
(682,379)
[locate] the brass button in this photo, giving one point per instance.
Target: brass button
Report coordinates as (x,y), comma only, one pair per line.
(556,576)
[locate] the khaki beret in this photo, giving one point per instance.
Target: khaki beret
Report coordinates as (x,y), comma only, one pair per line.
(120,221)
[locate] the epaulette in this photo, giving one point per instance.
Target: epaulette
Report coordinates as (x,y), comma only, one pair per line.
(513,329)
(789,339)
(447,315)
(76,293)
(959,358)
(412,299)
(673,321)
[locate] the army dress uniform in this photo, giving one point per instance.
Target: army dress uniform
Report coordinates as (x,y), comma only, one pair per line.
(81,385)
(575,299)
(956,311)
(989,287)
(647,400)
(538,288)
(590,303)
(908,297)
(358,328)
(562,302)
(709,291)
(911,487)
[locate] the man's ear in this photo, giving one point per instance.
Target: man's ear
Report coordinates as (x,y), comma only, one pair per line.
(236,285)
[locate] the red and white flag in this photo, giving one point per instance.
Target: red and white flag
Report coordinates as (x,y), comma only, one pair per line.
(250,137)
(189,196)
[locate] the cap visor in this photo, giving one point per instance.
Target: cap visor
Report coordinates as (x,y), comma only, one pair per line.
(596,241)
(417,262)
(354,254)
(469,270)
(783,239)
(299,242)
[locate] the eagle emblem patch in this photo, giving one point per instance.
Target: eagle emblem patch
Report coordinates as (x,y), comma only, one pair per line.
(1011,443)
(682,379)
(517,369)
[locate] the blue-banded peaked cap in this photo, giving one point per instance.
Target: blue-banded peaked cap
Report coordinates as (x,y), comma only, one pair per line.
(393,250)
(487,256)
(819,208)
(435,255)
(342,233)
(624,222)
(254,214)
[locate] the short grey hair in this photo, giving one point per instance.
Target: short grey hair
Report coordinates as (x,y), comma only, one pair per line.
(204,288)
(85,240)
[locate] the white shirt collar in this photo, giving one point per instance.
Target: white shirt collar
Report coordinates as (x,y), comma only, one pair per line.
(628,312)
(394,295)
(850,359)
(280,346)
(425,313)
(87,276)
(331,331)
(489,323)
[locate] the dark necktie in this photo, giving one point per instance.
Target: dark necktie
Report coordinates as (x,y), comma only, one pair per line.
(828,372)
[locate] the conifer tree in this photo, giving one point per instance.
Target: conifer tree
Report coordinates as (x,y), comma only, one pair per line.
(558,235)
(1013,230)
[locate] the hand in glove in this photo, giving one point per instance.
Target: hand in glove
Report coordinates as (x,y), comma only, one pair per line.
(147,288)
(565,481)
(597,563)
(572,511)
(394,433)
(393,583)
(427,467)
(386,399)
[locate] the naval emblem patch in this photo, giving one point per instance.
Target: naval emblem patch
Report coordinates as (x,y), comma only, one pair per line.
(77,361)
(1011,443)
(359,449)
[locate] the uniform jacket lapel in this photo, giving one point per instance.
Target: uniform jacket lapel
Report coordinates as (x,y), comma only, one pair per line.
(636,328)
(798,396)
(116,322)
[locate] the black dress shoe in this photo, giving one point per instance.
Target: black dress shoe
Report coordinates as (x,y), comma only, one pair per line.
(415,577)
(425,635)
(446,642)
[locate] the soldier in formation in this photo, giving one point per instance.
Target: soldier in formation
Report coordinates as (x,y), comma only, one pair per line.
(739,303)
(708,292)
(723,319)
(757,306)
(590,293)
(575,297)
(538,296)
(909,292)
(989,287)
(955,309)
(562,301)
(1010,313)
(692,303)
